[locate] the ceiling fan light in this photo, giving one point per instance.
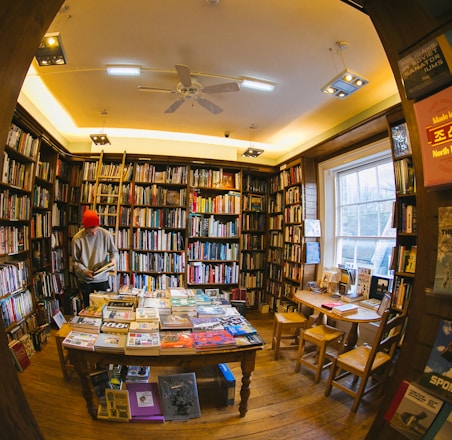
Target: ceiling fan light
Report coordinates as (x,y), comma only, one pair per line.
(123,70)
(257,84)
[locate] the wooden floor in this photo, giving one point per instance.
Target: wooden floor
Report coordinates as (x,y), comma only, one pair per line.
(283,405)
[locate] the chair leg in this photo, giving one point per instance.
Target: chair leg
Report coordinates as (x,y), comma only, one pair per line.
(320,361)
(299,354)
(329,384)
(278,341)
(359,394)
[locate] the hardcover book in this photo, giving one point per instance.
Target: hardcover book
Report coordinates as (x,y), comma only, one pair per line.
(20,357)
(145,404)
(85,323)
(179,396)
(206,323)
(436,375)
(443,281)
(100,381)
(345,309)
(115,327)
(147,314)
(237,325)
(226,382)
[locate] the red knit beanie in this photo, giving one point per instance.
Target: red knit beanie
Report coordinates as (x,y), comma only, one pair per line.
(90,219)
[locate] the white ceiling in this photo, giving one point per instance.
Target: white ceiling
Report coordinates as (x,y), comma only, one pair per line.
(291,43)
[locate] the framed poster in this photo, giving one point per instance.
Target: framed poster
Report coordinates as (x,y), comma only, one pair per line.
(434,121)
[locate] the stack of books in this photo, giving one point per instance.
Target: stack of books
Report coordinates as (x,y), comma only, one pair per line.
(345,309)
(110,343)
(86,324)
(206,323)
(211,310)
(145,404)
(213,340)
(176,342)
(142,344)
(80,340)
(147,314)
(237,325)
(138,374)
(175,321)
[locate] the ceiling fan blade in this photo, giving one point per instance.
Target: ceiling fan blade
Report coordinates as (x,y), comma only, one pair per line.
(213,108)
(184,74)
(175,105)
(155,89)
(220,88)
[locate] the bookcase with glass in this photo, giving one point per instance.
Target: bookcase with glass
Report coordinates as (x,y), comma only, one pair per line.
(404,253)
(252,238)
(274,244)
(17,301)
(214,227)
(159,226)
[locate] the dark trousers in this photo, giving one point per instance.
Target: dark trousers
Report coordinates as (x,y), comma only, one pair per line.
(87,288)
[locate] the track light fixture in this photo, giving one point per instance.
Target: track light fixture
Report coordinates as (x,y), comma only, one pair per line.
(50,52)
(251,151)
(347,82)
(101,138)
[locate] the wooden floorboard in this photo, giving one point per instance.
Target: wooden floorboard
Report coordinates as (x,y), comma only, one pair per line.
(283,405)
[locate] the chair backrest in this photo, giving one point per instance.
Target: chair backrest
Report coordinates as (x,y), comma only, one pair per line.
(387,337)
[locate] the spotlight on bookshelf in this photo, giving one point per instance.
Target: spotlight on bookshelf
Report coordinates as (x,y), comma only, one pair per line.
(50,52)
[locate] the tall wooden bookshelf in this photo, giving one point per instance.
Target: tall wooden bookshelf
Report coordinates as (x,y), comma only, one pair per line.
(253,238)
(405,216)
(214,227)
(18,303)
(159,226)
(275,223)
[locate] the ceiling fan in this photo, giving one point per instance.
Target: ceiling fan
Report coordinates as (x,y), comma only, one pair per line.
(192,89)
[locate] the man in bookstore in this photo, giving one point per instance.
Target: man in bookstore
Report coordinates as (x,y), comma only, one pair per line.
(94,253)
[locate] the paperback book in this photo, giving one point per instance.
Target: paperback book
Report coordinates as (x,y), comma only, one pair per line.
(237,325)
(179,396)
(213,340)
(206,323)
(142,344)
(176,342)
(115,327)
(80,340)
(413,411)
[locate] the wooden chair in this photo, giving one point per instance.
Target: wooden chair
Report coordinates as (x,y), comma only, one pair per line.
(324,337)
(287,325)
(365,361)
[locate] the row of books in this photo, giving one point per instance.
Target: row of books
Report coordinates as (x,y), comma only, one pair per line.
(145,217)
(14,206)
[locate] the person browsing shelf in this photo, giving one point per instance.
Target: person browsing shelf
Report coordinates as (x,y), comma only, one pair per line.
(92,248)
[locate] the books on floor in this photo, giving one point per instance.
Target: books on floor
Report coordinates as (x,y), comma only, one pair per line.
(145,402)
(118,406)
(142,344)
(137,373)
(80,340)
(179,396)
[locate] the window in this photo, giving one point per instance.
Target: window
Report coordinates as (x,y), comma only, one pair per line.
(357,207)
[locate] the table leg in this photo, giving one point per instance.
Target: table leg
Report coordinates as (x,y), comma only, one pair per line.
(81,367)
(352,337)
(247,364)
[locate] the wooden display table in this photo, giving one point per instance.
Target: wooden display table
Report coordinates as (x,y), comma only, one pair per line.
(315,301)
(81,359)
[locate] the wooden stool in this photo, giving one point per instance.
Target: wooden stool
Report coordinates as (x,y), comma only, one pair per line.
(284,322)
(323,336)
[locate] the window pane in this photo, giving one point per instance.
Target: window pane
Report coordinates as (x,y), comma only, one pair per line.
(349,220)
(369,219)
(349,188)
(368,185)
(386,187)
